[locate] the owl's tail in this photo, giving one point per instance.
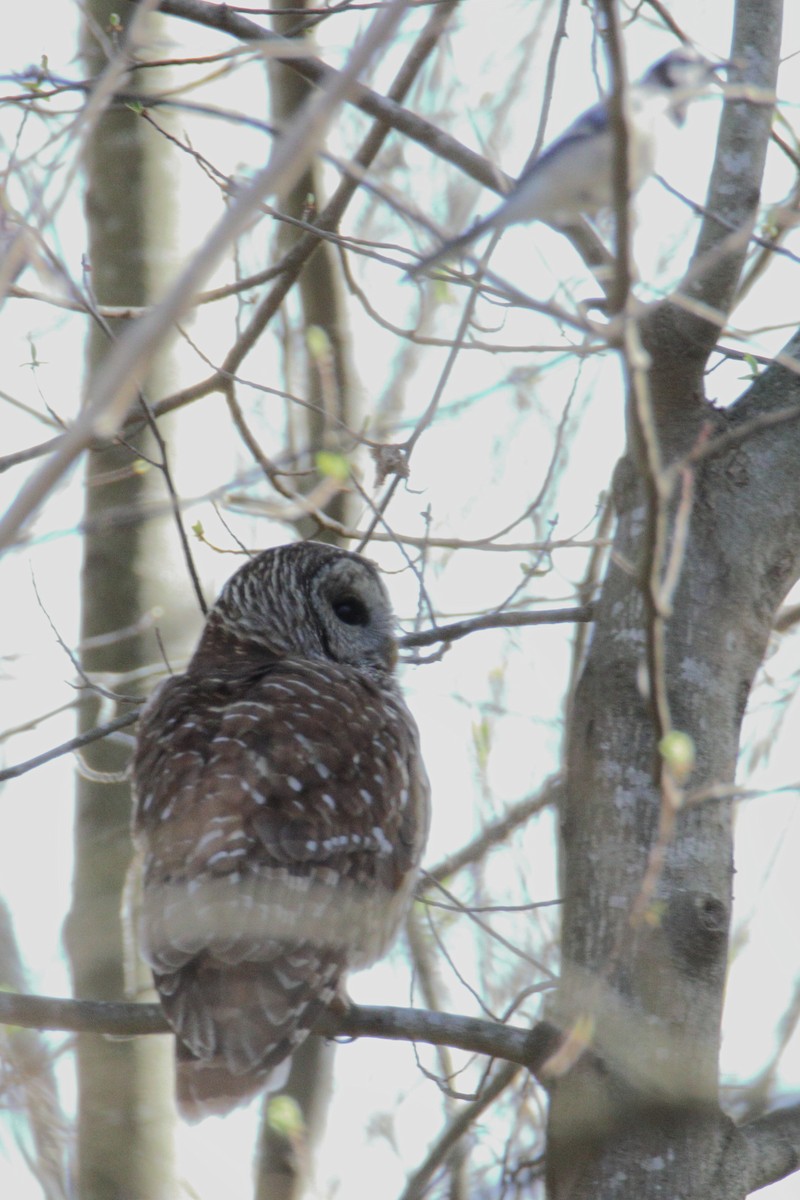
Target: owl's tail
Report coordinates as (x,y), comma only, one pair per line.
(206,1088)
(238,1024)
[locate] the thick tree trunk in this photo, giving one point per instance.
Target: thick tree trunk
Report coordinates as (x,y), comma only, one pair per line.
(647,840)
(644,967)
(124,1135)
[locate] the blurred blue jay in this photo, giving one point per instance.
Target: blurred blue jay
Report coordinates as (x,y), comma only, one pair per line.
(573,176)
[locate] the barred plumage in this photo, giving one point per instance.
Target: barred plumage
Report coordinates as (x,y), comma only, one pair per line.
(281,812)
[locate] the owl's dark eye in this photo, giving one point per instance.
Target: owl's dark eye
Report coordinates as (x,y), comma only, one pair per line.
(351,610)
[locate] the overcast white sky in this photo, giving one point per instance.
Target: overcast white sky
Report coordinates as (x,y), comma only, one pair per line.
(769,834)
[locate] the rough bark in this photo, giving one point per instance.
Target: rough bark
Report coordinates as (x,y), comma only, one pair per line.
(647,869)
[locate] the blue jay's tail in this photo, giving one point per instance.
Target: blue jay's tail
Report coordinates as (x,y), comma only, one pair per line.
(451,246)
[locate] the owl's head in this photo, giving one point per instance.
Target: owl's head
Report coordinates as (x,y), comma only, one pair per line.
(307,599)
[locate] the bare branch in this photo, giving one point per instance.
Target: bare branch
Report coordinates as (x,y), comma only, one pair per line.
(76,743)
(712,279)
(527,1047)
(584,613)
(385,108)
(119,379)
(773,1142)
(417,1185)
(492,835)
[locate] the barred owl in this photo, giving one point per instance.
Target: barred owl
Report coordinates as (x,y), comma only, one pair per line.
(281,809)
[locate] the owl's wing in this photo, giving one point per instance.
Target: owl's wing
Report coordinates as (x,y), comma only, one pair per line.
(281,823)
(303,787)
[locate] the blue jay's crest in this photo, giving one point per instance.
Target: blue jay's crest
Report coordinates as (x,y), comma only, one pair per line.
(683,75)
(573,176)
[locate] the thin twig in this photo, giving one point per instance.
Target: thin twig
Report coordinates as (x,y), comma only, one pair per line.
(119,378)
(83,739)
(174,502)
(493,835)
(417,1185)
(620,121)
(386,109)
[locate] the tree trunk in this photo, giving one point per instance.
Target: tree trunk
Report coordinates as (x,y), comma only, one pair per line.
(647,840)
(124,1139)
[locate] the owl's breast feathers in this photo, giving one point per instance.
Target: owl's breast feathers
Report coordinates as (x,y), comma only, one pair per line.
(281,816)
(291,785)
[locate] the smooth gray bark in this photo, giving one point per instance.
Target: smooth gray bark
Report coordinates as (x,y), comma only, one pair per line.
(124,1136)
